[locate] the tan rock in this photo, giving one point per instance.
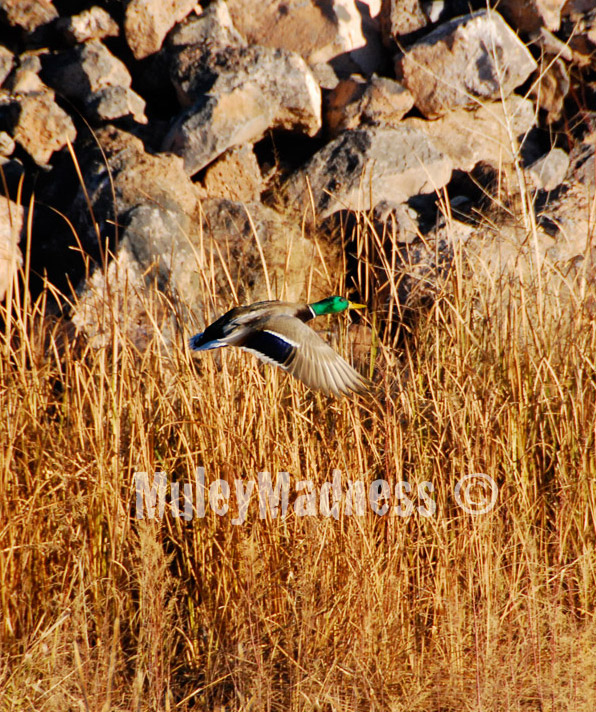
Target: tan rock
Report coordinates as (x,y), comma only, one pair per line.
(341,31)
(94,23)
(28,14)
(6,63)
(11,224)
(39,125)
(551,87)
(235,175)
(400,17)
(549,171)
(356,102)
(464,62)
(296,25)
(147,22)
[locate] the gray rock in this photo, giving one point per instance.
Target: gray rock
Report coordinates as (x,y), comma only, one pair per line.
(28,14)
(92,24)
(549,171)
(362,168)
(468,137)
(239,93)
(92,75)
(11,225)
(147,22)
(123,175)
(114,102)
(356,102)
(287,258)
(213,28)
(464,62)
(37,124)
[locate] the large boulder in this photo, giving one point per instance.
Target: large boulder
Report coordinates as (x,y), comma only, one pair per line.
(239,93)
(464,62)
(341,32)
(491,134)
(361,168)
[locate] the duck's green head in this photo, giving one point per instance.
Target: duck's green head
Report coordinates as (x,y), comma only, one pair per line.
(334,305)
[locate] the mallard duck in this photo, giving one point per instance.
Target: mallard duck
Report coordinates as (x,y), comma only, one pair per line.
(276,332)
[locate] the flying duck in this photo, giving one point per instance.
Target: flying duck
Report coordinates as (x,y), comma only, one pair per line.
(276,332)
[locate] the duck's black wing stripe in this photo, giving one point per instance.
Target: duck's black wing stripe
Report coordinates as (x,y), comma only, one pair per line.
(269,345)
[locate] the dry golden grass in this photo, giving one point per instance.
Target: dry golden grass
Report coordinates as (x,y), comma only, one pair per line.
(100,610)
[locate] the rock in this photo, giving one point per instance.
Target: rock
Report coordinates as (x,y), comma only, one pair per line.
(213,28)
(239,93)
(28,14)
(400,17)
(122,175)
(6,64)
(92,75)
(531,15)
(92,24)
(298,26)
(464,62)
(361,168)
(187,266)
(7,144)
(37,124)
(115,102)
(147,22)
(25,78)
(325,75)
(549,171)
(358,47)
(340,31)
(551,87)
(578,30)
(355,102)
(548,43)
(288,256)
(469,137)
(235,175)
(11,225)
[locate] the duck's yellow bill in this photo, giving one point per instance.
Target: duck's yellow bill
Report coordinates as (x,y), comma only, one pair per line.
(353,305)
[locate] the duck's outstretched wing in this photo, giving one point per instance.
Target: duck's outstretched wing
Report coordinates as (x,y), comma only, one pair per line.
(291,344)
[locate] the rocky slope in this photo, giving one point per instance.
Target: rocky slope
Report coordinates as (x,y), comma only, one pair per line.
(210,149)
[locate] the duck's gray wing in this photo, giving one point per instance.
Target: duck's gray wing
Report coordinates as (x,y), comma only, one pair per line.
(289,343)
